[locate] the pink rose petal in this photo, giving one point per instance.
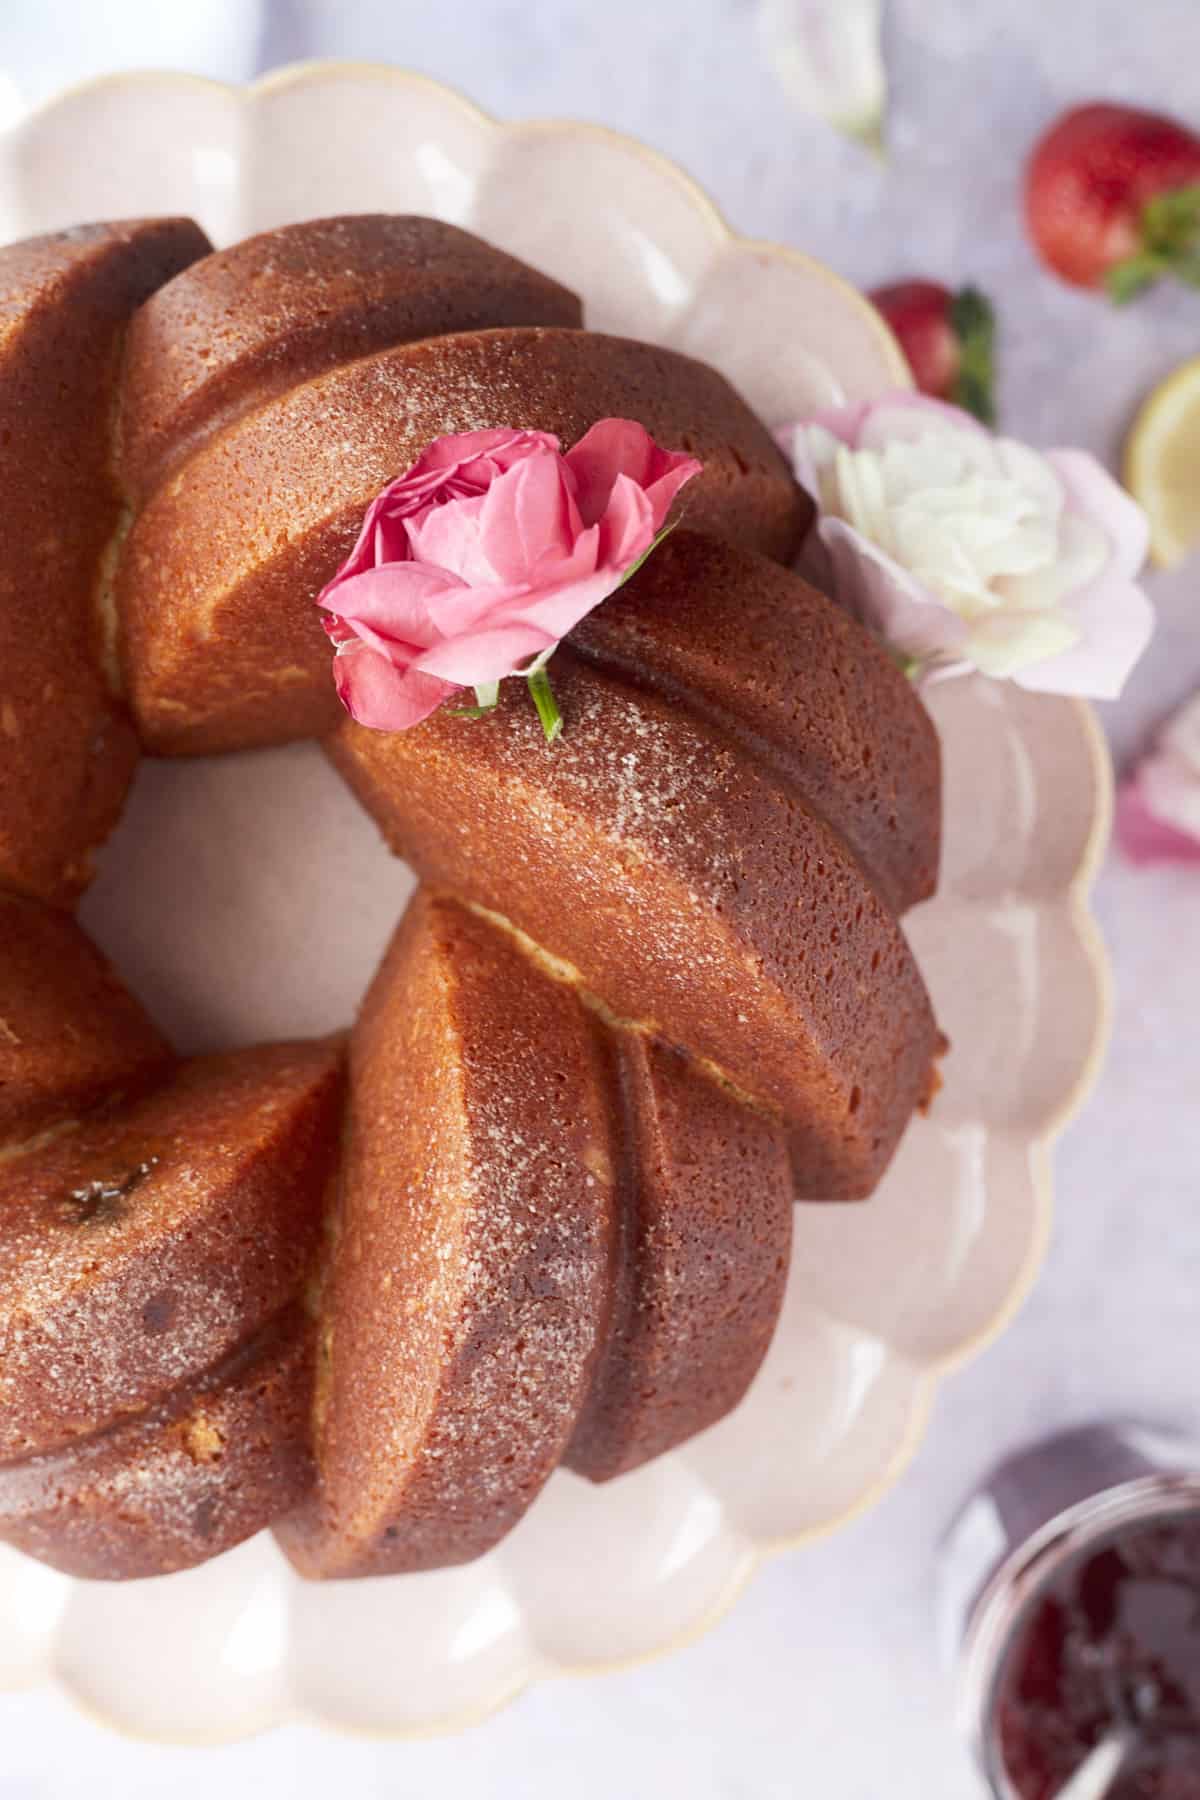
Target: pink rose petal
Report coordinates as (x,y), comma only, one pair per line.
(395,601)
(450,537)
(376,693)
(529,519)
(1143,836)
(622,447)
(486,655)
(629,524)
(484,554)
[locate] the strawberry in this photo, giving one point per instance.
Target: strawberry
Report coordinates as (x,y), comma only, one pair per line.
(1112,199)
(948,340)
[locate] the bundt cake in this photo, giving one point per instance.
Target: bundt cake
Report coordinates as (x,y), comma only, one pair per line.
(68,750)
(652,991)
(70,1034)
(585,1240)
(156,1366)
(682,863)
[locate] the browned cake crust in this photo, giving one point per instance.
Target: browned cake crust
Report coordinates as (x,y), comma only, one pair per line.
(142,1247)
(181,1482)
(654,987)
(472,1259)
(685,874)
(252,321)
(735,640)
(67,752)
(555,1242)
(223,647)
(706,1237)
(70,1034)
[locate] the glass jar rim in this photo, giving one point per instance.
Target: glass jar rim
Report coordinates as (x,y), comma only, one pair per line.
(1006,1600)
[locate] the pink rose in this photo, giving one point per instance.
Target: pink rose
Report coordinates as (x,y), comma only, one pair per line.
(474,564)
(1158,807)
(966,551)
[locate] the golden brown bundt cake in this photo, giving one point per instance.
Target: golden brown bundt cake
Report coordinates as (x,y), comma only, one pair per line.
(553,1241)
(66,749)
(183,1480)
(699,877)
(770,847)
(250,322)
(70,1034)
(705,1238)
(222,645)
(154,1258)
(762,656)
(472,1248)
(654,986)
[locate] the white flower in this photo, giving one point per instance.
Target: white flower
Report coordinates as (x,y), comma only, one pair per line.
(827,55)
(969,551)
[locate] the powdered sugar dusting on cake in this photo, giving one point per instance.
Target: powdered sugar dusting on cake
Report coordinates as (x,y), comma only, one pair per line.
(474,1216)
(147,1244)
(217,1460)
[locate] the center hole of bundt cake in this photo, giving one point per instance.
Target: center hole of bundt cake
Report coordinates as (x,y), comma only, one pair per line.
(245,897)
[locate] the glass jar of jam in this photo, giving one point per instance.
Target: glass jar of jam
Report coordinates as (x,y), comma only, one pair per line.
(1070,1594)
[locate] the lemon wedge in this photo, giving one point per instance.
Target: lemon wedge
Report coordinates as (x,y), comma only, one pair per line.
(1162,464)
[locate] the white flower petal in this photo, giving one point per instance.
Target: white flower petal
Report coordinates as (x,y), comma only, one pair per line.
(975,547)
(1006,643)
(827,55)
(1115,622)
(820,444)
(1083,552)
(1093,494)
(1034,591)
(1032,474)
(887,597)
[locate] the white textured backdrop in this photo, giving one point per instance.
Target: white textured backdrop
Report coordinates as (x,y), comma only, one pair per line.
(824,1681)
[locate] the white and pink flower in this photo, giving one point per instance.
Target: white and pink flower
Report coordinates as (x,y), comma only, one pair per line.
(967,551)
(475,563)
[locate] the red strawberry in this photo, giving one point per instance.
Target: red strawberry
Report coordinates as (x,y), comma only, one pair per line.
(948,340)
(1112,198)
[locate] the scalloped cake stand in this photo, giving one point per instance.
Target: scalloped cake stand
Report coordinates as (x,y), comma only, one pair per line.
(247,897)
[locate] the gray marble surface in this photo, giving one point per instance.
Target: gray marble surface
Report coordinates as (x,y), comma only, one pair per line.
(824,1681)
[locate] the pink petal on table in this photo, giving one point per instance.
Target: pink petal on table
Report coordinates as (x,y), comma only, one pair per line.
(1143,836)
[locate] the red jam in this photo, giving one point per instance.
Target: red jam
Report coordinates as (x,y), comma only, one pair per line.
(1114,1640)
